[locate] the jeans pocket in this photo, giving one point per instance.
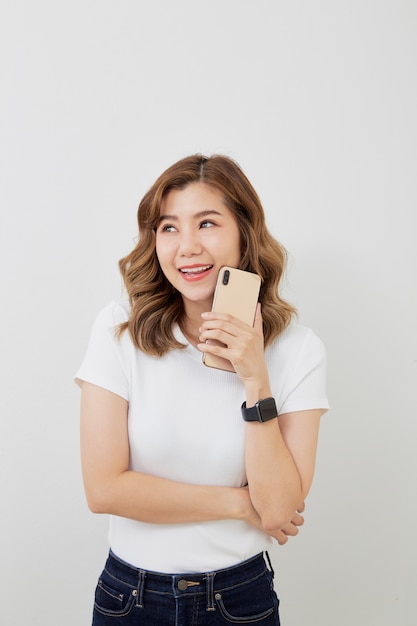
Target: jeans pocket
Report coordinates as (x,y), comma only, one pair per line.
(113,597)
(251,603)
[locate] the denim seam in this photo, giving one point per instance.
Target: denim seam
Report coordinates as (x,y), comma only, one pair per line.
(247,580)
(125,611)
(241,620)
(140,589)
(244,582)
(210,593)
(120,580)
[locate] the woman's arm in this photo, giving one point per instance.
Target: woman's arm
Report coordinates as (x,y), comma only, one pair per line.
(280,453)
(112,488)
(280,459)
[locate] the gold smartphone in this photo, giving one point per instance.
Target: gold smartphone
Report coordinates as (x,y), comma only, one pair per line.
(236,293)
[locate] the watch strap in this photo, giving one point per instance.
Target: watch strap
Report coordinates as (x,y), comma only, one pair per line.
(262,411)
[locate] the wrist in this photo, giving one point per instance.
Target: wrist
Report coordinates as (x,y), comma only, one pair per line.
(256,391)
(231,502)
(243,504)
(263,410)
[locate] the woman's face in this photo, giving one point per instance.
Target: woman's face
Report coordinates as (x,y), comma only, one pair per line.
(197,234)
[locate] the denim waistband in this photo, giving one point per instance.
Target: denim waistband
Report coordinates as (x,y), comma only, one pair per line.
(178,585)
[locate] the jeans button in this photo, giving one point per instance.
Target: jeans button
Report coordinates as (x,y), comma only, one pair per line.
(182,584)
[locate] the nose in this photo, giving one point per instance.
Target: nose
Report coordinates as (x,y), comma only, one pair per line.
(190,243)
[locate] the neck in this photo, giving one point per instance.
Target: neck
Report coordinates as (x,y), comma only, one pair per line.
(190,329)
(192,321)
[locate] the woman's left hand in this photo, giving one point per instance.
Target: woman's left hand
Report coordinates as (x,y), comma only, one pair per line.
(242,345)
(291,529)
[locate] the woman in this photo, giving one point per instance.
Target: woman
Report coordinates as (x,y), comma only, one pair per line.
(196,494)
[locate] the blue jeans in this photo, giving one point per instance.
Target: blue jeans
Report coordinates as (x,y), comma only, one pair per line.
(242,594)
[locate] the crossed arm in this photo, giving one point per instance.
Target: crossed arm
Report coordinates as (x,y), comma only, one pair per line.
(280,454)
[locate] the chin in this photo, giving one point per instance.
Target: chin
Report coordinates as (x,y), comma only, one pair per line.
(198,298)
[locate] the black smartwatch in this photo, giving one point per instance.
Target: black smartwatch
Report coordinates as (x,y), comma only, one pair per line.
(263,411)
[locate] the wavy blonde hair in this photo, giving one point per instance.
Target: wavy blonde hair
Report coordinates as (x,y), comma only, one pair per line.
(155,305)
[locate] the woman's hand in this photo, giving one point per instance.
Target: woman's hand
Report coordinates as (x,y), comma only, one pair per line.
(281,535)
(242,345)
(291,529)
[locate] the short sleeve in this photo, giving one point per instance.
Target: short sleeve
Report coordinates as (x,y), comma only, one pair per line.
(105,362)
(306,381)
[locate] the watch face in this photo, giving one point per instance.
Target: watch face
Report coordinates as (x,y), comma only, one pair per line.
(267,409)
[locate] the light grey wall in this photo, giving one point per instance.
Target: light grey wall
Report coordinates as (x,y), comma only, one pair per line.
(316,101)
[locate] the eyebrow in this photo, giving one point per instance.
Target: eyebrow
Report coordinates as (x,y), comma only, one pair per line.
(198,215)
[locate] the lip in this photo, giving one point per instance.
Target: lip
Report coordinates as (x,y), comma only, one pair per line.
(194,273)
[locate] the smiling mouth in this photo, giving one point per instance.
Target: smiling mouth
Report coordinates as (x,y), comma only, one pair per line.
(194,271)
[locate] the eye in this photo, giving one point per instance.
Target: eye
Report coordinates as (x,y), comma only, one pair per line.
(167,228)
(207,224)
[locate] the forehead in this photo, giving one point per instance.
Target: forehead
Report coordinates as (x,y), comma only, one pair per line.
(194,197)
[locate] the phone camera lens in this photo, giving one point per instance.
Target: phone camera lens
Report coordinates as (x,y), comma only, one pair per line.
(226,277)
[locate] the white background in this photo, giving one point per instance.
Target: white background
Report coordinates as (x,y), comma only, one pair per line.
(317,101)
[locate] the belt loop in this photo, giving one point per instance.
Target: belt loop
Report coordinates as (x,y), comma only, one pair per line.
(140,589)
(210,593)
(270,564)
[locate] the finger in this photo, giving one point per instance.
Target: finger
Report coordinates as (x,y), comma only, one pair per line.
(211,328)
(290,530)
(234,325)
(281,538)
(301,508)
(297,520)
(215,319)
(224,335)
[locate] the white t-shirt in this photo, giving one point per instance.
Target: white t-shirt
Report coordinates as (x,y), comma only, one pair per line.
(185,424)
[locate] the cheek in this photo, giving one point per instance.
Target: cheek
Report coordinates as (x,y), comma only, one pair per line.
(236,246)
(165,257)
(161,253)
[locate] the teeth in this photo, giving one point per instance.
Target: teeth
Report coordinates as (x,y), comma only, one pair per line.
(196,270)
